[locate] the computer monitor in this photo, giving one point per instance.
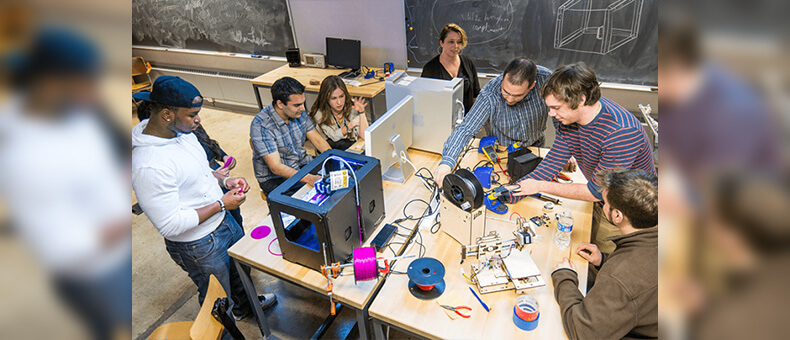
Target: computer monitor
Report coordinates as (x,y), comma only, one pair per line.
(343,53)
(388,138)
(438,107)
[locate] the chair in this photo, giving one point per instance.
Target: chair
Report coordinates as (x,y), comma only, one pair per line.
(204,327)
(139,68)
(263,196)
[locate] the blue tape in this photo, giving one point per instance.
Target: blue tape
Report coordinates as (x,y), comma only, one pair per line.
(525,325)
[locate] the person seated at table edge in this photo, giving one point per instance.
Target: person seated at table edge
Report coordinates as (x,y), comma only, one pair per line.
(338,118)
(623,302)
(511,105)
(451,64)
(278,134)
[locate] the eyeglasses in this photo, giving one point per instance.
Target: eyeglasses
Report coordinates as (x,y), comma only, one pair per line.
(507,94)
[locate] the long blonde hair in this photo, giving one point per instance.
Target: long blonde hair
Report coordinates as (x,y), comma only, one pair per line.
(329,85)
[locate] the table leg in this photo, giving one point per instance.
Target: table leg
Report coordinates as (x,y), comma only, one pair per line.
(362,323)
(252,296)
(257,96)
(378,330)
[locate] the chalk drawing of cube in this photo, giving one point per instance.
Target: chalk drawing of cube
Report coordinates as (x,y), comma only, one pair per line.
(596,26)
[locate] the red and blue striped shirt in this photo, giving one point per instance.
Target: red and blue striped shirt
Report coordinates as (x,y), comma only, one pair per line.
(614,139)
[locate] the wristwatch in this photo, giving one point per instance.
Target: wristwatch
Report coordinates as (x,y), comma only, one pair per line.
(221,205)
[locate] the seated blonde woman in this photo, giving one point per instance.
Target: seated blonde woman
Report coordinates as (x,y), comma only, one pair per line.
(338,118)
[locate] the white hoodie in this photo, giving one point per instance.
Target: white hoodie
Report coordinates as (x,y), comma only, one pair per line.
(171,178)
(63,188)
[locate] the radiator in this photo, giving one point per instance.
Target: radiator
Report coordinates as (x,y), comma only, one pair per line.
(234,88)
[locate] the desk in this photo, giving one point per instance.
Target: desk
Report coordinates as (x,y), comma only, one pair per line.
(252,253)
(395,306)
(305,74)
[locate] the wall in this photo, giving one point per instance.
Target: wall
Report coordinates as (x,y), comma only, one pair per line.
(378,24)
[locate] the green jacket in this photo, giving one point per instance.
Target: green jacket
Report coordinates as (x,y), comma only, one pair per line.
(623,302)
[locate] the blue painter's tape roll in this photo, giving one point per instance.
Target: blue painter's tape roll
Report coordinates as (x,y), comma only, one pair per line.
(525,325)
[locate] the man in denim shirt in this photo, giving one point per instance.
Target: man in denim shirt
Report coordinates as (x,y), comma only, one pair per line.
(278,134)
(181,196)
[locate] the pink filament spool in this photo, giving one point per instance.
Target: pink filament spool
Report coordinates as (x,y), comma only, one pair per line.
(365,267)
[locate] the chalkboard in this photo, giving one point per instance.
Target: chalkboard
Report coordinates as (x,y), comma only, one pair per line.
(239,26)
(616,38)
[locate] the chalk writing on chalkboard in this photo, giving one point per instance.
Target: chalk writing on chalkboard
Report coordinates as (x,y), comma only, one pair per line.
(242,26)
(616,38)
(581,27)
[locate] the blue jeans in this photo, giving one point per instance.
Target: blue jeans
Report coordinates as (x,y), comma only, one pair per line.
(209,255)
(104,303)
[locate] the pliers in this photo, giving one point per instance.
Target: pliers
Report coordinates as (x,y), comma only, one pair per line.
(455,309)
(562,178)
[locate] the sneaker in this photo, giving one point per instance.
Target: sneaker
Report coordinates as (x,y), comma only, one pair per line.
(267,302)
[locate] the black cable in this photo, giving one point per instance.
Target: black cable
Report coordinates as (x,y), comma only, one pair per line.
(437,229)
(411,217)
(484,161)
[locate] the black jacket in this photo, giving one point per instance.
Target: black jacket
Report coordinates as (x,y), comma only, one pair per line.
(434,69)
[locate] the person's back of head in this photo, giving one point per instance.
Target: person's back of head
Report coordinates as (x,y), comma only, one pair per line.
(283,88)
(634,192)
(679,41)
(521,70)
(572,83)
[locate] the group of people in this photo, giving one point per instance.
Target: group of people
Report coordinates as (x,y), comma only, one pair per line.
(184,198)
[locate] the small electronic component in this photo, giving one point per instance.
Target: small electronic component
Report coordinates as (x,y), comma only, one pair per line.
(538,221)
(338,179)
(383,236)
(490,153)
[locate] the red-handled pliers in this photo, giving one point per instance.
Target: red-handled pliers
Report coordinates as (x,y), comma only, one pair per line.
(455,309)
(563,177)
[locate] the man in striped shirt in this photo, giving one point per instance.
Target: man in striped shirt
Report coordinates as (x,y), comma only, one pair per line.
(597,132)
(513,107)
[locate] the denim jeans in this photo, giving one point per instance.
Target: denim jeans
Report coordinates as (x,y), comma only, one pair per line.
(209,255)
(103,303)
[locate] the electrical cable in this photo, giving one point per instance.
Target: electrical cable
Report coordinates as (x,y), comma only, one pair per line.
(356,189)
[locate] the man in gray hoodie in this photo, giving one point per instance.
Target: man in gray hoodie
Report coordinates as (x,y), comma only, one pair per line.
(180,194)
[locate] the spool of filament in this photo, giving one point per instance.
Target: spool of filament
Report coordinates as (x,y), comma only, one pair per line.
(426,278)
(463,189)
(365,264)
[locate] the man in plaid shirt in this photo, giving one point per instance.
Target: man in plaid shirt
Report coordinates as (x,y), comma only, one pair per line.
(278,134)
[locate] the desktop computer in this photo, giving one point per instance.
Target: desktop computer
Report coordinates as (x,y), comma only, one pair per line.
(344,53)
(388,138)
(438,107)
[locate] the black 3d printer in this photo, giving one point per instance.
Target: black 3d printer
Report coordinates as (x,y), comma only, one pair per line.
(324,219)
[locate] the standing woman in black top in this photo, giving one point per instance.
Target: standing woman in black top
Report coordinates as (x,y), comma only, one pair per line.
(451,64)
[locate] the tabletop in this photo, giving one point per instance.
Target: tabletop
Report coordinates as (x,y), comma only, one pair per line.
(395,305)
(367,88)
(256,252)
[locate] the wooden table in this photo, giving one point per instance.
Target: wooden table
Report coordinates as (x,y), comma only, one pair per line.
(369,88)
(252,253)
(395,306)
